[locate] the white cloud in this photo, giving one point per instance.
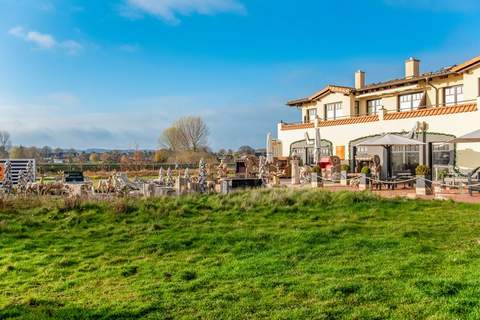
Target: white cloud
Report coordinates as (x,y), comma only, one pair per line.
(42,40)
(45,41)
(168,10)
(72,47)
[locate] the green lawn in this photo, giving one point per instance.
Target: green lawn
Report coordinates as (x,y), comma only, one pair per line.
(263,254)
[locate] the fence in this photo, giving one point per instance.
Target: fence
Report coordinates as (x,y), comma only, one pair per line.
(54,168)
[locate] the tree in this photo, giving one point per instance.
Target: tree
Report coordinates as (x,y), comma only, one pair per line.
(5,144)
(46,152)
(161,156)
(93,157)
(17,153)
(186,134)
(171,139)
(194,132)
(246,150)
(105,157)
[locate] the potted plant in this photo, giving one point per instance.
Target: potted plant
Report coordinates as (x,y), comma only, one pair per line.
(441,175)
(364,178)
(317,177)
(423,184)
(344,169)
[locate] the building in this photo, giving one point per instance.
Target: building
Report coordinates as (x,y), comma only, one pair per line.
(433,107)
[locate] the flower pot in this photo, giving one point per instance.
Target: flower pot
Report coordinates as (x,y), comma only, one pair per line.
(364,181)
(317,181)
(344,178)
(423,187)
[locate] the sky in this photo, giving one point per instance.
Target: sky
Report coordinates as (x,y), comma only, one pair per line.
(115,73)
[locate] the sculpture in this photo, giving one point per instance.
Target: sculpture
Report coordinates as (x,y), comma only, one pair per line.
(7,178)
(263,169)
(161,175)
(202,176)
(222,170)
(186,176)
(170,182)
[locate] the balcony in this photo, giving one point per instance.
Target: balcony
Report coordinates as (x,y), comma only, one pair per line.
(427,111)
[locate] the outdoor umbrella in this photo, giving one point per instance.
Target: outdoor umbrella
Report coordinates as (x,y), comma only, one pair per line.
(388,141)
(468,138)
(269,148)
(318,145)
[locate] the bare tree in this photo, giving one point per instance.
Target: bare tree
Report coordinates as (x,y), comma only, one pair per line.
(5,143)
(186,134)
(193,131)
(170,139)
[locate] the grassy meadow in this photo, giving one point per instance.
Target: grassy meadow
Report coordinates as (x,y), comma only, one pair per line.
(251,255)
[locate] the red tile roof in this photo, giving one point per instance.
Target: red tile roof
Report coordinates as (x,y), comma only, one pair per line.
(297,126)
(328,89)
(466,65)
(471,107)
(354,120)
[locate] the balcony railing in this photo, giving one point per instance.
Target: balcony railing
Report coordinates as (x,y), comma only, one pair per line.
(423,111)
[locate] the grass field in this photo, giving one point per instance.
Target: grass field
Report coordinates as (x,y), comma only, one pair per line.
(263,254)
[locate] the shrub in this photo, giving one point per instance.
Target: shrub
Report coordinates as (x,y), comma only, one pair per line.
(443,174)
(345,167)
(316,169)
(365,170)
(422,170)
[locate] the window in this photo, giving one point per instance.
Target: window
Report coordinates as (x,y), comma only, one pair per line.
(357,108)
(405,158)
(411,101)
(333,111)
(453,95)
(373,106)
(312,115)
(442,154)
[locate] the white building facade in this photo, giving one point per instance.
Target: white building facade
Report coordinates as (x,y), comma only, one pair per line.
(433,107)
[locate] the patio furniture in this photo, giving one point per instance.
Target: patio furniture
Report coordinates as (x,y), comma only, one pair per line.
(387,141)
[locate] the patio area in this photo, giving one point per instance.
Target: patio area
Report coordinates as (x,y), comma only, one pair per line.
(453,194)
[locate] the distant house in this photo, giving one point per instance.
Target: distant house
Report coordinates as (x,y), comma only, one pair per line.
(444,102)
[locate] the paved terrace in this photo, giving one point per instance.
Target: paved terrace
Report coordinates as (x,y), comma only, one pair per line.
(457,195)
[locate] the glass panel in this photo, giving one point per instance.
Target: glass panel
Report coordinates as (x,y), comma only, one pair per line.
(312,114)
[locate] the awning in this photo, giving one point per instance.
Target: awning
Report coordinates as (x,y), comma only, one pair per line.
(391,140)
(468,138)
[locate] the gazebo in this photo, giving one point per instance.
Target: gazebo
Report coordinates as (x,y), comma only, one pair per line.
(388,141)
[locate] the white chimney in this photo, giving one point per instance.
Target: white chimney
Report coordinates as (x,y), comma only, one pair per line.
(412,68)
(359,79)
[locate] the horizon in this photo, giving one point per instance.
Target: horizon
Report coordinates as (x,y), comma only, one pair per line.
(113,75)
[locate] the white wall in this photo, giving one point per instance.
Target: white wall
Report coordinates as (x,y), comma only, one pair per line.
(454,124)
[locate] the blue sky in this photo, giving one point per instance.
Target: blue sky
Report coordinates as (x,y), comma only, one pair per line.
(115,73)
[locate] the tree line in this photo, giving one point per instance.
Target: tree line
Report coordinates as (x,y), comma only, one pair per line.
(185,141)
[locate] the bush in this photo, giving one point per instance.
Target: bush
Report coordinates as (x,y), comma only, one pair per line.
(443,174)
(422,170)
(365,170)
(316,169)
(345,167)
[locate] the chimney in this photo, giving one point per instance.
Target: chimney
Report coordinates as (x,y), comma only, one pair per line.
(412,68)
(359,79)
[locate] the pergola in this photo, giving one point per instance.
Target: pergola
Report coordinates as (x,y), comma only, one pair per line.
(388,141)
